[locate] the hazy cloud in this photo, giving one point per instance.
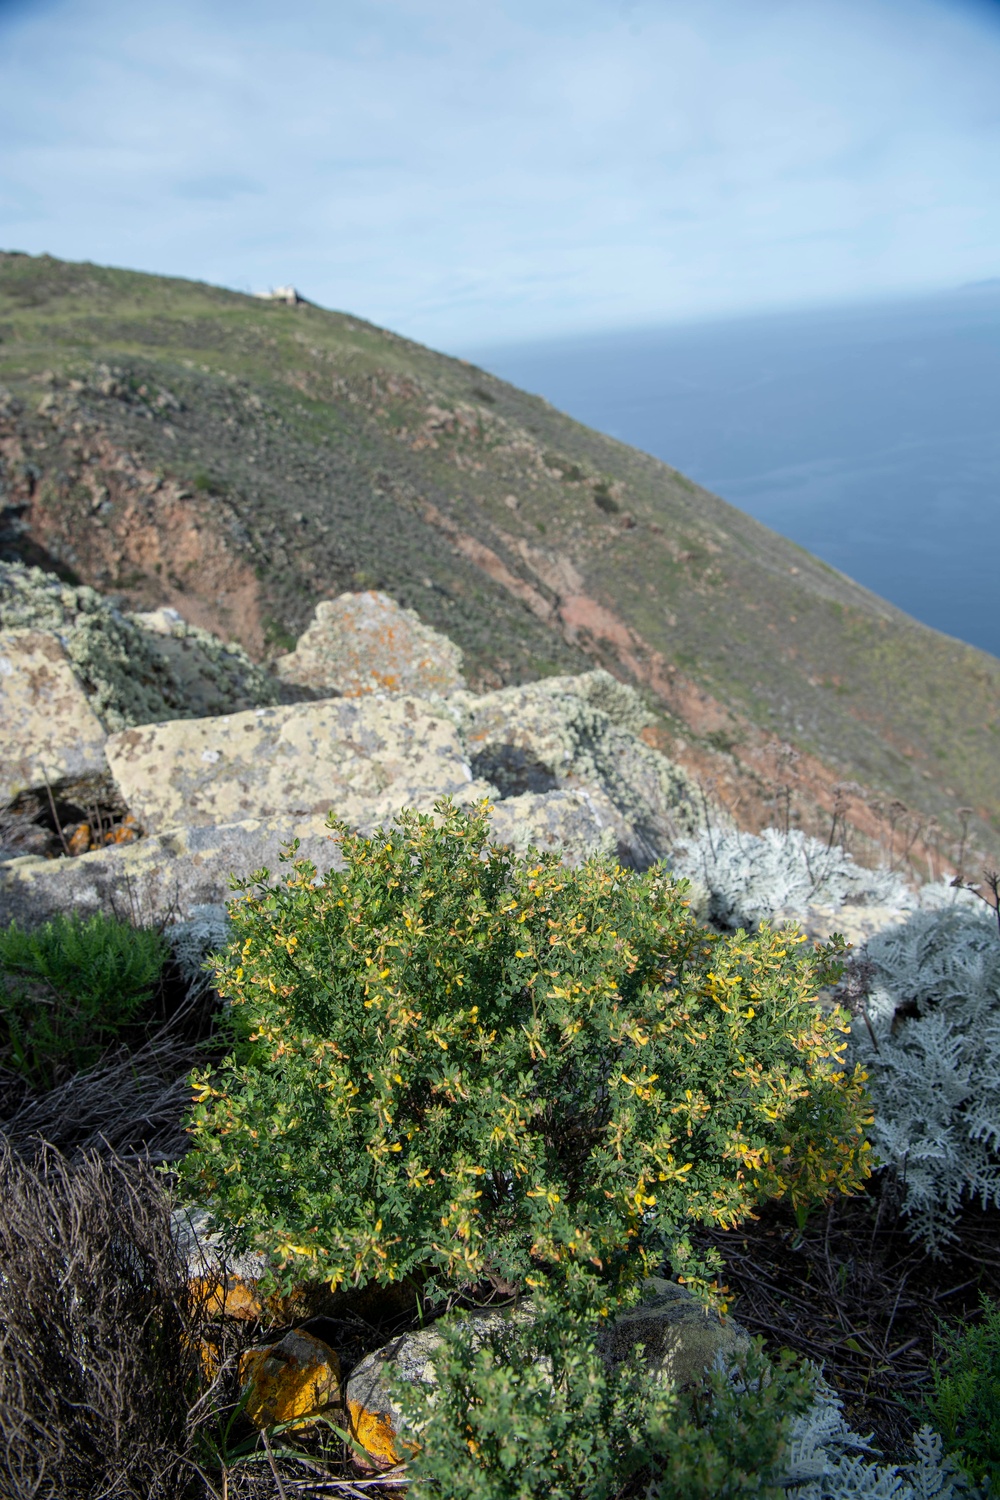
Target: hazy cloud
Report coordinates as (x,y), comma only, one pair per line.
(467,172)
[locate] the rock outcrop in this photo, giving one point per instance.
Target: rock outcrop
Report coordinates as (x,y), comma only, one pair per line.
(48,730)
(134,669)
(360,759)
(365,643)
(560,760)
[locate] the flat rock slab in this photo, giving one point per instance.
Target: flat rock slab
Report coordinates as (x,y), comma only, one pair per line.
(366,643)
(48,729)
(169,874)
(356,758)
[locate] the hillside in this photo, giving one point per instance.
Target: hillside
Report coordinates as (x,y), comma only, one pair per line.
(239,460)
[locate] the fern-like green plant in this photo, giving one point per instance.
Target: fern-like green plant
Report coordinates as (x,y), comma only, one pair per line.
(69,988)
(964,1404)
(455,1057)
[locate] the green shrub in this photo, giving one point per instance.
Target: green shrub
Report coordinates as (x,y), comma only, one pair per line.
(68,988)
(532,1411)
(965,1402)
(454,1057)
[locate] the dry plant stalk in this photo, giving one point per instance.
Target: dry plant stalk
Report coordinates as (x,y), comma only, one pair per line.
(97,1350)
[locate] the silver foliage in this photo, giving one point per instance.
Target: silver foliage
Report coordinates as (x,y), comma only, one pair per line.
(749,877)
(931,1047)
(827,1460)
(207,930)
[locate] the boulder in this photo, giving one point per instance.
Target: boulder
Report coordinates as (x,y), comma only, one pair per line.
(681,1338)
(366,643)
(374,1419)
(239,1286)
(135,669)
(358,758)
(227,1283)
(48,730)
(172,873)
(292,1380)
(582,732)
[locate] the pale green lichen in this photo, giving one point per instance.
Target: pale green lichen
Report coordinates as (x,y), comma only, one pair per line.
(133,675)
(581,732)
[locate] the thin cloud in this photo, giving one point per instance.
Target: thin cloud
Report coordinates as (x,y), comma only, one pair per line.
(469,173)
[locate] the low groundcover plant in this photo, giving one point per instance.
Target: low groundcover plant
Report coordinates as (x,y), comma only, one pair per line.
(68,989)
(455,1061)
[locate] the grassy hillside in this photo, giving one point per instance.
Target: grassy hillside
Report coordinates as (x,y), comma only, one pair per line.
(240,460)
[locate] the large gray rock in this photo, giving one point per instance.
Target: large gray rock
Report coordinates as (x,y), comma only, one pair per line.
(176,872)
(166,875)
(560,761)
(360,759)
(48,730)
(582,732)
(366,643)
(681,1338)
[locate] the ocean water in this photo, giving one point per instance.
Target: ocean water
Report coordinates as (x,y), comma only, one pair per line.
(868,434)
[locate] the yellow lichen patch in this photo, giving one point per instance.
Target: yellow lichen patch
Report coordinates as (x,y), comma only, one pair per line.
(227,1297)
(290,1381)
(373,1431)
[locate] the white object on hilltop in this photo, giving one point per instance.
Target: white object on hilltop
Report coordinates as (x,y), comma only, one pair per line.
(286,294)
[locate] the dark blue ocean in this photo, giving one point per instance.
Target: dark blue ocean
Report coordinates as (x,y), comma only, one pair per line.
(870,434)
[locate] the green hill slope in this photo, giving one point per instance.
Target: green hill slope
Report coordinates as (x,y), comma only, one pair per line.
(241,459)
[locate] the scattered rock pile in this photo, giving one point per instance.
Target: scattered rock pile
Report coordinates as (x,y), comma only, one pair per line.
(223,793)
(298,1375)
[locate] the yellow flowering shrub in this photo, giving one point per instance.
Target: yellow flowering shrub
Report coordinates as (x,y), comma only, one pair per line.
(456,1059)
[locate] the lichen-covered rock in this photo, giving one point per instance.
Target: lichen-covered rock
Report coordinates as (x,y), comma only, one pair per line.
(582,732)
(359,758)
(681,1338)
(374,1418)
(174,872)
(133,673)
(185,869)
(366,643)
(48,730)
(292,1380)
(574,822)
(227,1283)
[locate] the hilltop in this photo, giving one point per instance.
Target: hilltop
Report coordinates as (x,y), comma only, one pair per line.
(239,460)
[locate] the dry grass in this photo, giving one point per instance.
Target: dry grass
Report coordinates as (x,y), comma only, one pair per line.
(96,1362)
(853,1293)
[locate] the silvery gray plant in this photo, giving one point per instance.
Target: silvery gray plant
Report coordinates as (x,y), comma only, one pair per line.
(928,1035)
(827,1460)
(749,877)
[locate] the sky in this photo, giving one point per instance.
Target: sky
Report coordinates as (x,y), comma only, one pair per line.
(475,172)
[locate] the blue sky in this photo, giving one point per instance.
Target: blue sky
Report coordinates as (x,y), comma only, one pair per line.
(471,172)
